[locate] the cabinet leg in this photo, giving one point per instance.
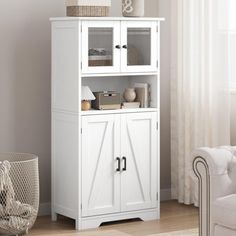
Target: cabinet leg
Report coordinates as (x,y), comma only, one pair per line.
(77,225)
(54,216)
(150,216)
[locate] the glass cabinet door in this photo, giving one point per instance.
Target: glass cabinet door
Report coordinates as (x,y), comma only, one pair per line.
(100,47)
(139,46)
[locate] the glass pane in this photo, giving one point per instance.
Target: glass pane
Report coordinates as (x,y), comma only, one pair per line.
(139,46)
(100,47)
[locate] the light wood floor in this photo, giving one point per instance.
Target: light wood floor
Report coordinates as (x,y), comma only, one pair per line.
(174,217)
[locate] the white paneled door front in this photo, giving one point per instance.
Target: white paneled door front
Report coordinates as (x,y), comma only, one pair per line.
(139,161)
(119,163)
(100,178)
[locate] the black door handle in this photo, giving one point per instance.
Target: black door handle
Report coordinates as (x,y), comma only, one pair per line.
(118,47)
(118,168)
(125,46)
(125,163)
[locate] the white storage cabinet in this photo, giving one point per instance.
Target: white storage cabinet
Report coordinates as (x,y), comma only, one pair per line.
(105,164)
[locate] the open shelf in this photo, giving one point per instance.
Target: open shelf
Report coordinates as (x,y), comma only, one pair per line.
(118,111)
(120,83)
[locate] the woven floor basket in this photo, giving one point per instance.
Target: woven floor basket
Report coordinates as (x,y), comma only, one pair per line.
(19,192)
(87,11)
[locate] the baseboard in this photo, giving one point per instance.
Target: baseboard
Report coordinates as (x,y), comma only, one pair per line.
(165,194)
(44,209)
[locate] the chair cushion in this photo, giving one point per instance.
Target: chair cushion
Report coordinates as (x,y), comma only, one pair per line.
(224,211)
(223,231)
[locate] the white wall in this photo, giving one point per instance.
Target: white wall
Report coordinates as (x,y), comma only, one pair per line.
(25,80)
(164,10)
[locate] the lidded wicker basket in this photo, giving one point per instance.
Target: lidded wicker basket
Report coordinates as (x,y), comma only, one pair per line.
(89,8)
(19,192)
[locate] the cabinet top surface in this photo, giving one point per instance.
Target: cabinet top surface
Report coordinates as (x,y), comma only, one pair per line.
(106,19)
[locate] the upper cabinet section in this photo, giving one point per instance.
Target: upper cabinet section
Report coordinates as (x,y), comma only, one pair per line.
(119,46)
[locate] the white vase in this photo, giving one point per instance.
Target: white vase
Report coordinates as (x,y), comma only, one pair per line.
(129,94)
(133,8)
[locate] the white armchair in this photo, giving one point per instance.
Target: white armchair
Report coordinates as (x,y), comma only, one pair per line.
(216,172)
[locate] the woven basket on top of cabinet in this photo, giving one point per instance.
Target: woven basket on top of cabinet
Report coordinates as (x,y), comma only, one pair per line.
(89,8)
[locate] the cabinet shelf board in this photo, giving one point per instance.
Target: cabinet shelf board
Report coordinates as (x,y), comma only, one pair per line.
(119,111)
(118,74)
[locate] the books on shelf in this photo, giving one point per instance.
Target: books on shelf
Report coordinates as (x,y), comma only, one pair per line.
(130,105)
(142,94)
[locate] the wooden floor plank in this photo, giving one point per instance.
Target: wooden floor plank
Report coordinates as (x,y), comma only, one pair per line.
(174,217)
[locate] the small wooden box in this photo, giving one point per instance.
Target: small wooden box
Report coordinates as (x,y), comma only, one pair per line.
(106,100)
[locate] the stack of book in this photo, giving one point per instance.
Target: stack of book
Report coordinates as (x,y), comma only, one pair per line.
(142,94)
(130,105)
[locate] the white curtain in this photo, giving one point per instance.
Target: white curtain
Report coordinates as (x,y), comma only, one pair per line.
(200,98)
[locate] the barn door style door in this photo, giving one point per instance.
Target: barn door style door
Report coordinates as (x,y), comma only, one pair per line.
(100,166)
(139,161)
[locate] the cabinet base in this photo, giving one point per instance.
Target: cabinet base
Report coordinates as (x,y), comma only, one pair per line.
(96,221)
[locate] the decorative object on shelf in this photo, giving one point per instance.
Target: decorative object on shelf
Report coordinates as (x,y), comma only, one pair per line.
(100,57)
(143,94)
(130,105)
(129,94)
(86,97)
(106,100)
(19,193)
(133,8)
(87,7)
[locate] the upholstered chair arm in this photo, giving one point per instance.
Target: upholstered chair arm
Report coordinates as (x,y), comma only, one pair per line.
(220,166)
(214,168)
